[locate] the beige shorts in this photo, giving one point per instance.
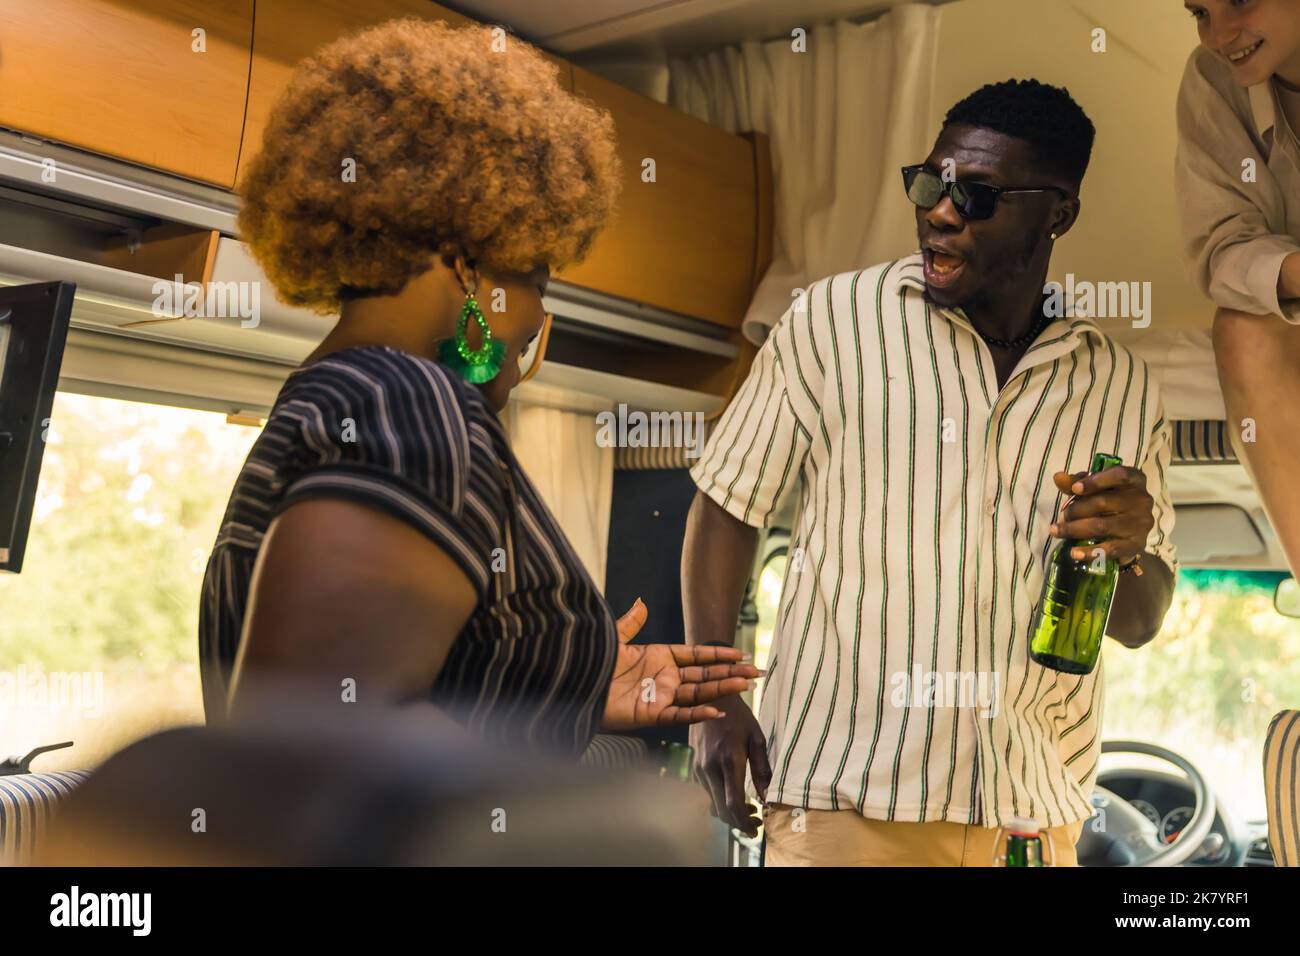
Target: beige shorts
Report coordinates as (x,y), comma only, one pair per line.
(846,838)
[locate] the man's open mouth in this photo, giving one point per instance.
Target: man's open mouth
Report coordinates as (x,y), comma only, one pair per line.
(942,268)
(1241,56)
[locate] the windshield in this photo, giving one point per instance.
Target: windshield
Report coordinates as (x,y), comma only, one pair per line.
(1223,664)
(98,634)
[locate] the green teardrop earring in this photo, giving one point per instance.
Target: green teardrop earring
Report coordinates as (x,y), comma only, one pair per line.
(475,366)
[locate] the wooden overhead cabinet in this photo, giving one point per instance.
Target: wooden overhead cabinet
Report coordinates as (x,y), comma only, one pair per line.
(161,83)
(688,236)
(690,239)
(186,86)
(289,31)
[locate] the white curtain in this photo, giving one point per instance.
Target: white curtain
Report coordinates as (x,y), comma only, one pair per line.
(842,118)
(574,475)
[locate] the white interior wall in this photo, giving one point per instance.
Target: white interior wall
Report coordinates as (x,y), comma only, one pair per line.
(1128,229)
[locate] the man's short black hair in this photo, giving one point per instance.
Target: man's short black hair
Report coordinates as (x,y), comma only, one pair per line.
(1044,116)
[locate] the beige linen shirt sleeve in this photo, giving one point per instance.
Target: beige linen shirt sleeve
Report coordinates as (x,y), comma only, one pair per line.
(755,455)
(1233,230)
(1155,464)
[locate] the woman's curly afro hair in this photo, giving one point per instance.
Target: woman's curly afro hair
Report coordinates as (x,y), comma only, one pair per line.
(459,146)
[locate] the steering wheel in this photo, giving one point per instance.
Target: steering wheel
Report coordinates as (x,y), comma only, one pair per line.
(1117,834)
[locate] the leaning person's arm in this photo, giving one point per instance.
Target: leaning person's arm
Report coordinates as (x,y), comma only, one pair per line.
(1226,195)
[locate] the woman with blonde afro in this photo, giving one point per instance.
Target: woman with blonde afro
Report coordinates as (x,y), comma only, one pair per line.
(382,540)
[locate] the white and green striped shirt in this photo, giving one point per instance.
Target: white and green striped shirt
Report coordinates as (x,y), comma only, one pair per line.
(900,682)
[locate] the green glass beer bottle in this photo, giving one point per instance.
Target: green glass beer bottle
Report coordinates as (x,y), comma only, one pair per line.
(1024,845)
(1070,620)
(675,760)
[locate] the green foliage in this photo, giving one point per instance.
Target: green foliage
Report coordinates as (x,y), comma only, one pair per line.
(1223,664)
(127,509)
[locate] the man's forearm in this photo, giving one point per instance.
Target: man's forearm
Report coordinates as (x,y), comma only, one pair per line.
(717,559)
(1141,602)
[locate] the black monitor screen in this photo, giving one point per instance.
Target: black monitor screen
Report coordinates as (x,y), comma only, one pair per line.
(33,330)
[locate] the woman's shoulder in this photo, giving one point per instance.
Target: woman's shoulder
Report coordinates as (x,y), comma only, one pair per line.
(1205,65)
(380,403)
(370,373)
(1207,75)
(384,385)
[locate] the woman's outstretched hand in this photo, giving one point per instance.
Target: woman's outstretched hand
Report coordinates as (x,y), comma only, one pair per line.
(658,684)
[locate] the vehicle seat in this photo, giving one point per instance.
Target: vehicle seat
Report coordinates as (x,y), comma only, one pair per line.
(27,803)
(615,752)
(1281,786)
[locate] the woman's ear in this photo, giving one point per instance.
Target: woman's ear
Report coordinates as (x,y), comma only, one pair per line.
(466,275)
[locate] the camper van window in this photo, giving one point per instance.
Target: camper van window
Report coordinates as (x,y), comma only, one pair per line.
(770,580)
(1223,664)
(98,633)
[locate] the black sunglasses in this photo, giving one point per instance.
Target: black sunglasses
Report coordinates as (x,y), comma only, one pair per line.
(973,200)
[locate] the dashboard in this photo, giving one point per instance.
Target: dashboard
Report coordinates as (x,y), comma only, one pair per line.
(1169,803)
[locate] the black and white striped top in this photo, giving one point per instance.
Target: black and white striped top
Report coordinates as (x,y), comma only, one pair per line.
(900,682)
(399,433)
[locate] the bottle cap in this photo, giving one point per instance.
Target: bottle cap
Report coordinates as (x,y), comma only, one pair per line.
(1023,826)
(1102,460)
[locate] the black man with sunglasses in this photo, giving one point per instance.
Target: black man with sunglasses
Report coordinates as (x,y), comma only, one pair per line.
(932,423)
